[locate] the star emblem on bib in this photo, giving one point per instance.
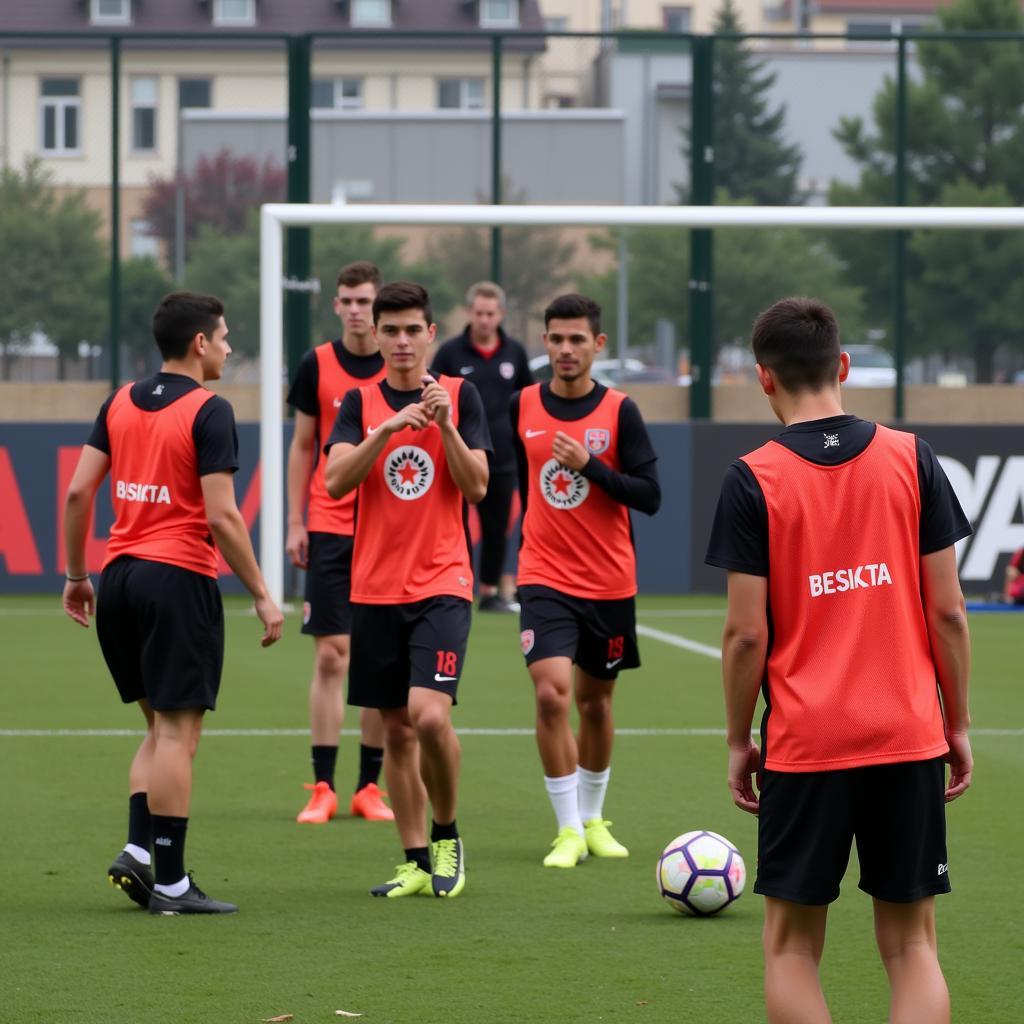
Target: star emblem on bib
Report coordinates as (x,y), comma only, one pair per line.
(561,487)
(409,472)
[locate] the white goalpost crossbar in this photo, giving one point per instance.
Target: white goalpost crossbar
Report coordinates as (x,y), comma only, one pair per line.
(275,217)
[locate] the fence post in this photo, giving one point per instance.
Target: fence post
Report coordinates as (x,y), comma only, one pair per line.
(297,245)
(899,289)
(496,189)
(702,193)
(114,341)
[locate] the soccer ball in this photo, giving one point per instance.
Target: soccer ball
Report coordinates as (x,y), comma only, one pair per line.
(700,873)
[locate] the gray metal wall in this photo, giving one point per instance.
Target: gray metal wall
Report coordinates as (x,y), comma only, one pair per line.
(557,156)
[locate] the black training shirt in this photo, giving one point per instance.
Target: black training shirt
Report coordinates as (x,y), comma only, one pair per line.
(213,429)
(739,535)
(497,375)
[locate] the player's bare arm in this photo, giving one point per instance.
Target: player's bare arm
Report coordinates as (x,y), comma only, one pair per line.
(301,455)
(349,464)
(79,600)
(232,538)
(744,651)
(569,452)
(946,618)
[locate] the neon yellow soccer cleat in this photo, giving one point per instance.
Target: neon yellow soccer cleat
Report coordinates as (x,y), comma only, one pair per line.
(600,842)
(409,879)
(568,849)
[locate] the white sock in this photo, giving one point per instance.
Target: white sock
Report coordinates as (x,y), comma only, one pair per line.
(563,794)
(592,789)
(177,889)
(141,855)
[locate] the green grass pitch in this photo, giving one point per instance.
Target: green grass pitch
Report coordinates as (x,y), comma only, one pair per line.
(522,943)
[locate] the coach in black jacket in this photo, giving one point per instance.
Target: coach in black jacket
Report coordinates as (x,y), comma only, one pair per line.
(498,367)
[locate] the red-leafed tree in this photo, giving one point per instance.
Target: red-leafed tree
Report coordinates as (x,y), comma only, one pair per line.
(219,193)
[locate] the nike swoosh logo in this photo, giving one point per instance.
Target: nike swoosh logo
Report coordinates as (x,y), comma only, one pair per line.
(337,403)
(535,433)
(612,664)
(444,679)
(466,370)
(370,430)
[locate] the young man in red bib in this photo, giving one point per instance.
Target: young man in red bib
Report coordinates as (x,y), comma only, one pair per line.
(171,450)
(322,544)
(845,610)
(585,460)
(414,449)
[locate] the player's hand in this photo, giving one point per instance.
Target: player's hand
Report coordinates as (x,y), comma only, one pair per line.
(569,452)
(272,618)
(961,764)
(743,765)
(436,400)
(79,600)
(297,546)
(414,416)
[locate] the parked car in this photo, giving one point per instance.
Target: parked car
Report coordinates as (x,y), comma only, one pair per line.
(870,367)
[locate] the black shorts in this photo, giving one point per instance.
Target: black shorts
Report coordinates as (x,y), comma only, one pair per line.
(894,812)
(599,636)
(328,611)
(161,630)
(398,646)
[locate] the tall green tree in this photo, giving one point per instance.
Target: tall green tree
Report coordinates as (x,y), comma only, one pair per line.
(143,284)
(52,265)
(753,160)
(965,145)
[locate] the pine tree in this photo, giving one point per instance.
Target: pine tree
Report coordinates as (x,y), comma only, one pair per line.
(753,161)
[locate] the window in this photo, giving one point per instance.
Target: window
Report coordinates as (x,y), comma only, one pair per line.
(557,24)
(338,93)
(110,12)
(499,13)
(371,13)
(144,97)
(234,12)
(144,243)
(460,93)
(676,19)
(60,107)
(194,93)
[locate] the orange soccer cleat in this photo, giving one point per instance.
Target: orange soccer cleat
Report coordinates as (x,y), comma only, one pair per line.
(322,806)
(368,803)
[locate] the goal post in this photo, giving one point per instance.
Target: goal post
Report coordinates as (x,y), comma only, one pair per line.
(275,217)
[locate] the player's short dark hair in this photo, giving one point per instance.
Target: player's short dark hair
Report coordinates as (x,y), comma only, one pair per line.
(798,340)
(361,272)
(402,295)
(180,316)
(571,306)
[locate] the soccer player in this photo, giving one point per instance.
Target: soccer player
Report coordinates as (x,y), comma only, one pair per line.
(171,450)
(1013,586)
(415,450)
(585,460)
(322,545)
(845,609)
(498,367)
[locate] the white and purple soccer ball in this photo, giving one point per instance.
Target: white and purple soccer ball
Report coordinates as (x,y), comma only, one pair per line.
(700,873)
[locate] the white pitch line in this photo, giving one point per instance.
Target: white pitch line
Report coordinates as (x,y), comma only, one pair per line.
(680,613)
(680,641)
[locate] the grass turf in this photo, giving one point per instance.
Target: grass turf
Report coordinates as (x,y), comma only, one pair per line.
(521,943)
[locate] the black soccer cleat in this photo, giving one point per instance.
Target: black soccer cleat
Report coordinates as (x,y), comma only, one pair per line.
(192,901)
(132,877)
(495,603)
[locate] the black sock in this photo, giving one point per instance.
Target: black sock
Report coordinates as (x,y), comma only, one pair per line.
(438,832)
(324,759)
(139,824)
(370,761)
(169,848)
(421,856)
